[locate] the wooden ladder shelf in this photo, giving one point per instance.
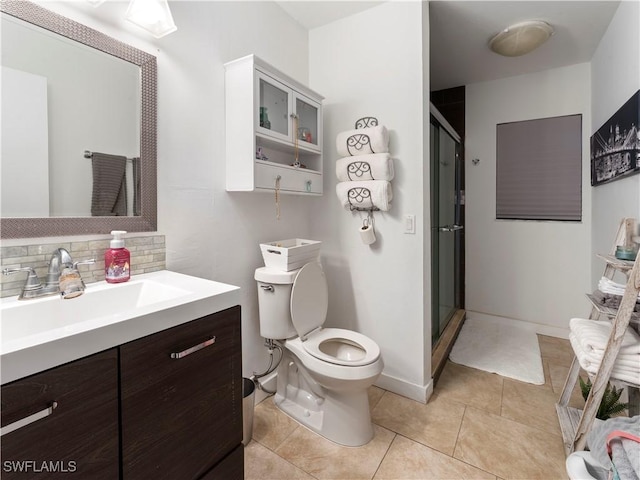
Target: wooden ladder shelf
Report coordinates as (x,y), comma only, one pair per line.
(574,423)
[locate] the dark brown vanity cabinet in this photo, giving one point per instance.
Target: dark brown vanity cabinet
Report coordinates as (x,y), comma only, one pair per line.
(181,401)
(165,406)
(65,420)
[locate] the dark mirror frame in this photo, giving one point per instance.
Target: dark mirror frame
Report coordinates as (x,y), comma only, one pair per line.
(61,226)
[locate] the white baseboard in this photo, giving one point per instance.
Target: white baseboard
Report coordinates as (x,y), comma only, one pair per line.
(419,393)
(536,327)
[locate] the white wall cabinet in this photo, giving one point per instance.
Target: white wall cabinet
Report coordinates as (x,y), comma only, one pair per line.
(273,130)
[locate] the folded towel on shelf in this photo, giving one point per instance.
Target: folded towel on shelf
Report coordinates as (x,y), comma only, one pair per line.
(626,371)
(375,166)
(594,335)
(365,194)
(363,141)
(629,361)
(606,285)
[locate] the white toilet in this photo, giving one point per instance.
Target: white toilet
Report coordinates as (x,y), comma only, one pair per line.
(325,372)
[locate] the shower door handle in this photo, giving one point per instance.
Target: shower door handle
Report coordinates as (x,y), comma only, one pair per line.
(450,228)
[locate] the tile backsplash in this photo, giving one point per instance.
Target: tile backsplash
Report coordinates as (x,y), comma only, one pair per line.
(148,254)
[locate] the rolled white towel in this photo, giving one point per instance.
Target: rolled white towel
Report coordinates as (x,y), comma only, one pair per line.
(591,363)
(363,141)
(375,166)
(594,335)
(365,195)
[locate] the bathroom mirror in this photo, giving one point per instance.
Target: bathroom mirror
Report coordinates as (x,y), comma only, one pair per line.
(145,70)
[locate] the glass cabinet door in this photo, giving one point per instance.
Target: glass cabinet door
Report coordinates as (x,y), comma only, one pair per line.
(274,108)
(308,121)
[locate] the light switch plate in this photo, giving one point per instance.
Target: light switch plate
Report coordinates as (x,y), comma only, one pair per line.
(410,224)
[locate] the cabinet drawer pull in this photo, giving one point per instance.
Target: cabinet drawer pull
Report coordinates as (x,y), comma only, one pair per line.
(195,348)
(23,422)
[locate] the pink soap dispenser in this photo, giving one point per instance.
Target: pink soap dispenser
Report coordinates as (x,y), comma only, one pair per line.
(117,260)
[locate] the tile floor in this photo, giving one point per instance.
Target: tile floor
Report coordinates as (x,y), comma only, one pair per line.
(476,425)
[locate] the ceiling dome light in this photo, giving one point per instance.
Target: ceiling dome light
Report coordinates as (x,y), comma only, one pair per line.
(521,38)
(152,15)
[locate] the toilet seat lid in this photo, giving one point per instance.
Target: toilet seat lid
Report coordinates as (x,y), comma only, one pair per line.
(309,299)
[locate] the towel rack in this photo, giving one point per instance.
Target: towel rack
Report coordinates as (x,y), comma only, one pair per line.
(89,154)
(358,170)
(366,122)
(362,209)
(359,141)
(360,195)
(360,198)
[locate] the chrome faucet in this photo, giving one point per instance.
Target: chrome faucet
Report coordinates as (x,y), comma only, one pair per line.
(32,287)
(60,265)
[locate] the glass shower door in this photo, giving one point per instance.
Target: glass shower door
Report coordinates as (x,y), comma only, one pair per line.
(446,231)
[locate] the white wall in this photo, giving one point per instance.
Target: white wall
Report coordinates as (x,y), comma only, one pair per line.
(371,64)
(367,64)
(615,77)
(211,233)
(525,270)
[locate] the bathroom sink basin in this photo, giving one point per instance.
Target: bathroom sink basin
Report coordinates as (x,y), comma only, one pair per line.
(25,318)
(41,333)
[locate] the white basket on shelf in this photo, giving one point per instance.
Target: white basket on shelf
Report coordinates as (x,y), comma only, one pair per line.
(290,254)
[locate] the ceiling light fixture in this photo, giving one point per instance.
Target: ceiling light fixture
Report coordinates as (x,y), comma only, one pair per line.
(152,15)
(521,38)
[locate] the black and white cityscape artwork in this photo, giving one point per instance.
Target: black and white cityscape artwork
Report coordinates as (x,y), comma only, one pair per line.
(615,147)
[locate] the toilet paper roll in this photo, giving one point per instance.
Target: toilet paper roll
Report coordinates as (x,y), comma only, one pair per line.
(367,234)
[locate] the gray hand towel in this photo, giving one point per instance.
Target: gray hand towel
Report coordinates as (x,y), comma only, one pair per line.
(109,188)
(597,443)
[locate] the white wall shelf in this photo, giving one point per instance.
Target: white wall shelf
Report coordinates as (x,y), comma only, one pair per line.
(271,121)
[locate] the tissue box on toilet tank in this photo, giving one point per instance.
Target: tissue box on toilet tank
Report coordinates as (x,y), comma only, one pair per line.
(290,254)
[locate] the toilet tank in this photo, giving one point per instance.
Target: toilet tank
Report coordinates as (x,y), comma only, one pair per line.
(274,303)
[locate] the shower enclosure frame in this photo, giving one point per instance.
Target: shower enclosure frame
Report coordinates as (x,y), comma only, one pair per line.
(447,221)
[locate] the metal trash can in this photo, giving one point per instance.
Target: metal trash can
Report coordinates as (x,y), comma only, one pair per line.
(248,403)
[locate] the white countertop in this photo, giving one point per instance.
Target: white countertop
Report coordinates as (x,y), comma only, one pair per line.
(42,333)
